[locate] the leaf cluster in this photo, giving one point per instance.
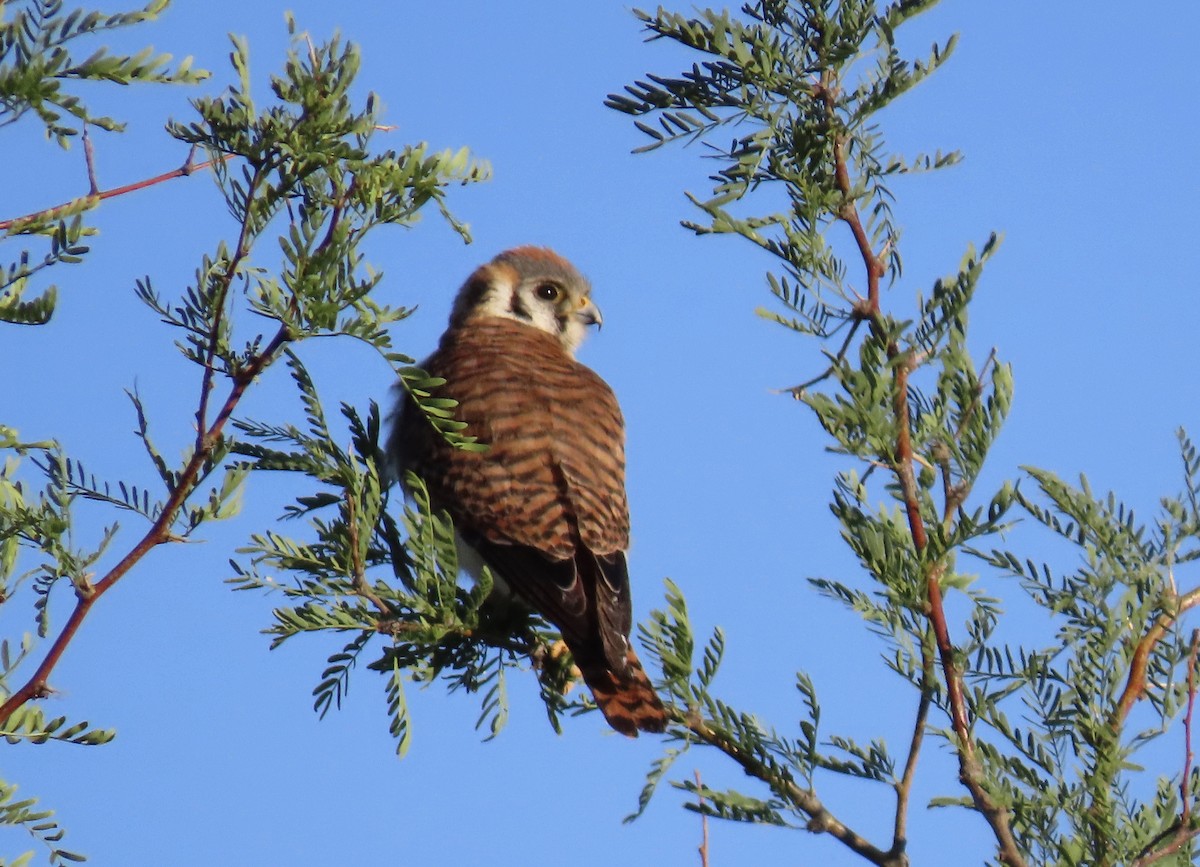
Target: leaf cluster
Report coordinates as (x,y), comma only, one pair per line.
(307,162)
(1039,731)
(303,182)
(39,823)
(779,76)
(39,521)
(800,84)
(365,572)
(39,61)
(670,644)
(1072,770)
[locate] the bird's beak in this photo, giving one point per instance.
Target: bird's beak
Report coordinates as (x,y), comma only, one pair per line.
(589,312)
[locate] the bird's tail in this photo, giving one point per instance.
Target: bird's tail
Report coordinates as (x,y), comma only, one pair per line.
(627,700)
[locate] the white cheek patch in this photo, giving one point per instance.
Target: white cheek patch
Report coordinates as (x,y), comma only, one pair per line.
(499,301)
(572,332)
(541,317)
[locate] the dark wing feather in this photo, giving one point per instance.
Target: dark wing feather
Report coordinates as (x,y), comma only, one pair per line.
(550,587)
(611,603)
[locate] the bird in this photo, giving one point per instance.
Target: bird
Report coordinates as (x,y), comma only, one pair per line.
(544,504)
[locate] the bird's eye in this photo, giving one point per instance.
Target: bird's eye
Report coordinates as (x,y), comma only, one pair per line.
(548,292)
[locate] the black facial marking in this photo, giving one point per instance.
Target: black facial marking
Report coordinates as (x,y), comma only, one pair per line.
(471,295)
(518,308)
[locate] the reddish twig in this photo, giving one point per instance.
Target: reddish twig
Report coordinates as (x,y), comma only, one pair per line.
(970,771)
(160,531)
(1184,831)
(183,171)
(1135,684)
(703,847)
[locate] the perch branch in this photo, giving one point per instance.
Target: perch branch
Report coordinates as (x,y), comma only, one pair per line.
(820,821)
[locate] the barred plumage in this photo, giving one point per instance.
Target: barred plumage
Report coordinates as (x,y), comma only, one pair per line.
(545,504)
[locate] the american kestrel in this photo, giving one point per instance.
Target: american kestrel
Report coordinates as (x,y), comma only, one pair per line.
(544,505)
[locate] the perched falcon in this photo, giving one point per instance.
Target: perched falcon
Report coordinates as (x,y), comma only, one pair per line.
(544,505)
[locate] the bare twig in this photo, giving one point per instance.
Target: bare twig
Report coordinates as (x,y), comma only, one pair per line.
(703,847)
(820,821)
(89,158)
(160,532)
(904,786)
(1135,684)
(183,171)
(1184,829)
(797,391)
(970,770)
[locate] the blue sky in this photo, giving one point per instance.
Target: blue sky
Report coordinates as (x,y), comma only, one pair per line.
(1079,130)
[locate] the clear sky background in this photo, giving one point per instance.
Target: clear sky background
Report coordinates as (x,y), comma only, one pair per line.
(1078,122)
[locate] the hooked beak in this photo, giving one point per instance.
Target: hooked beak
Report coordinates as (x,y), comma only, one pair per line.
(589,313)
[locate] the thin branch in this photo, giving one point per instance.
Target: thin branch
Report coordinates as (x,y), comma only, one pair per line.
(955,494)
(1135,684)
(1185,783)
(1183,830)
(976,393)
(357,567)
(89,158)
(970,770)
(904,786)
(848,213)
(821,821)
(797,391)
(703,847)
(183,171)
(160,532)
(240,251)
(1179,838)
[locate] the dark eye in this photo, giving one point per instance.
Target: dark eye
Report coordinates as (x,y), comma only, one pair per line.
(548,292)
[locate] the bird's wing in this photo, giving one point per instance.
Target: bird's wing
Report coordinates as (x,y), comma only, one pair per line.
(545,503)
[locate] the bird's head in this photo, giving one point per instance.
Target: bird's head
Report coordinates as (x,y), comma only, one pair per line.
(535,286)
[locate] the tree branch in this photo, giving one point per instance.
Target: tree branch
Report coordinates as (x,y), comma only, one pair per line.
(1135,684)
(904,786)
(358,568)
(1185,782)
(240,251)
(37,686)
(970,771)
(821,821)
(100,195)
(1184,830)
(89,158)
